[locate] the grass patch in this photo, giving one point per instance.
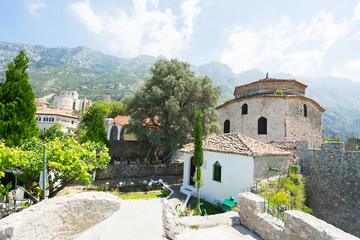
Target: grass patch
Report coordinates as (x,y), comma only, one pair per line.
(139,195)
(195,226)
(210,208)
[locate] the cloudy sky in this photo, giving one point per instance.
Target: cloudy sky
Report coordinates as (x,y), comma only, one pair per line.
(307,38)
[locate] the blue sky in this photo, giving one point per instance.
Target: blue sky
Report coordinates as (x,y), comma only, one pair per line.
(307,38)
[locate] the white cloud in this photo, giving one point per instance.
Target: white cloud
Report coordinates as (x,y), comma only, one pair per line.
(34,7)
(350,70)
(143,29)
(285,46)
(357,11)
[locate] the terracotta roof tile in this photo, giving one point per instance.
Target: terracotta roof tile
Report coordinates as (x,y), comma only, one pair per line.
(284,144)
(237,144)
(120,120)
(50,111)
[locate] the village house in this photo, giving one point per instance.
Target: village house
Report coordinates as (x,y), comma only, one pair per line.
(232,163)
(272,109)
(46,117)
(115,129)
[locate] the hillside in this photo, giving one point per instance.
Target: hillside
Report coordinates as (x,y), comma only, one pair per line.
(93,73)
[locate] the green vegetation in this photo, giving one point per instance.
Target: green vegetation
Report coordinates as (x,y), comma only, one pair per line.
(326,139)
(196,226)
(66,160)
(164,107)
(17,103)
(198,153)
(52,133)
(289,191)
(139,195)
(279,92)
(210,208)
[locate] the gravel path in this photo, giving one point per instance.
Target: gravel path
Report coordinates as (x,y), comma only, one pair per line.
(136,220)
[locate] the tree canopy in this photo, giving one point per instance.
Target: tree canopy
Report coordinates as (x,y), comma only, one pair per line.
(66,160)
(17,103)
(163,109)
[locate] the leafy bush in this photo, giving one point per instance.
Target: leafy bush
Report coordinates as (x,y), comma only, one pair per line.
(279,198)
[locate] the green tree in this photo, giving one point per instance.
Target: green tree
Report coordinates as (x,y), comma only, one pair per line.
(66,160)
(52,132)
(198,152)
(17,103)
(96,131)
(164,107)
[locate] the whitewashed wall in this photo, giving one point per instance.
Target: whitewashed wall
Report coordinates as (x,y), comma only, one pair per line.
(237,174)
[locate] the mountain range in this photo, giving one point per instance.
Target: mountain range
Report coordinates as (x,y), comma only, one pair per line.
(93,73)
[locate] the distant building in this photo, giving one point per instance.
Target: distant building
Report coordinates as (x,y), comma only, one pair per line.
(46,117)
(272,109)
(41,103)
(69,101)
(115,129)
(107,98)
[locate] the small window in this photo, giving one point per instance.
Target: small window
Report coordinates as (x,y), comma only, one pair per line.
(305,110)
(244,109)
(227,126)
(39,119)
(217,172)
(44,128)
(262,126)
(72,122)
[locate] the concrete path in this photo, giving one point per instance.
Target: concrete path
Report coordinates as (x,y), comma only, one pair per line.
(219,232)
(136,220)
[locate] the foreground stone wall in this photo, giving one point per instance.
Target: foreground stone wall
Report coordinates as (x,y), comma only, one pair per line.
(141,171)
(296,225)
(332,183)
(59,217)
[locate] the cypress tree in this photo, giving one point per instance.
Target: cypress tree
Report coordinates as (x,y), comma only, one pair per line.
(17,103)
(198,152)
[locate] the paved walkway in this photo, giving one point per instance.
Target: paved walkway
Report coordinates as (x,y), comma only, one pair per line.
(218,233)
(139,219)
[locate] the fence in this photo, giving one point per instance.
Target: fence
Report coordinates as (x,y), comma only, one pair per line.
(276,211)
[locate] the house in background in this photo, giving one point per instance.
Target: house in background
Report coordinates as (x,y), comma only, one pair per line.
(69,101)
(232,163)
(116,130)
(46,117)
(41,103)
(272,109)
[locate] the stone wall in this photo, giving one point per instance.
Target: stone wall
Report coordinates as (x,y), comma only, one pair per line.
(141,171)
(59,217)
(332,183)
(125,149)
(296,225)
(284,114)
(263,163)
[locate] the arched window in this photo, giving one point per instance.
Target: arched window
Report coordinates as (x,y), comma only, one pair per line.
(305,110)
(217,172)
(244,109)
(227,126)
(262,125)
(113,133)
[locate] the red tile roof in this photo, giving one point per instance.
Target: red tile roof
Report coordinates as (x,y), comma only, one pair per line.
(120,120)
(284,144)
(237,144)
(50,111)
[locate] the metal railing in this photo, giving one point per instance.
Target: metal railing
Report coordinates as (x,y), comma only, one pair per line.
(276,210)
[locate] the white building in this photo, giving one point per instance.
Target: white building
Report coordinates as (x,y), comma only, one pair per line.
(232,163)
(46,117)
(69,100)
(115,129)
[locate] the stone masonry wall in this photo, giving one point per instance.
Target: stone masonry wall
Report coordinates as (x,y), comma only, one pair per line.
(141,171)
(297,225)
(332,183)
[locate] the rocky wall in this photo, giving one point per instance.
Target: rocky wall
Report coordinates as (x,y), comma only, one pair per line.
(297,225)
(332,183)
(141,170)
(59,217)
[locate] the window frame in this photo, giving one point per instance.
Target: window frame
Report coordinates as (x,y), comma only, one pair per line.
(244,109)
(217,172)
(262,126)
